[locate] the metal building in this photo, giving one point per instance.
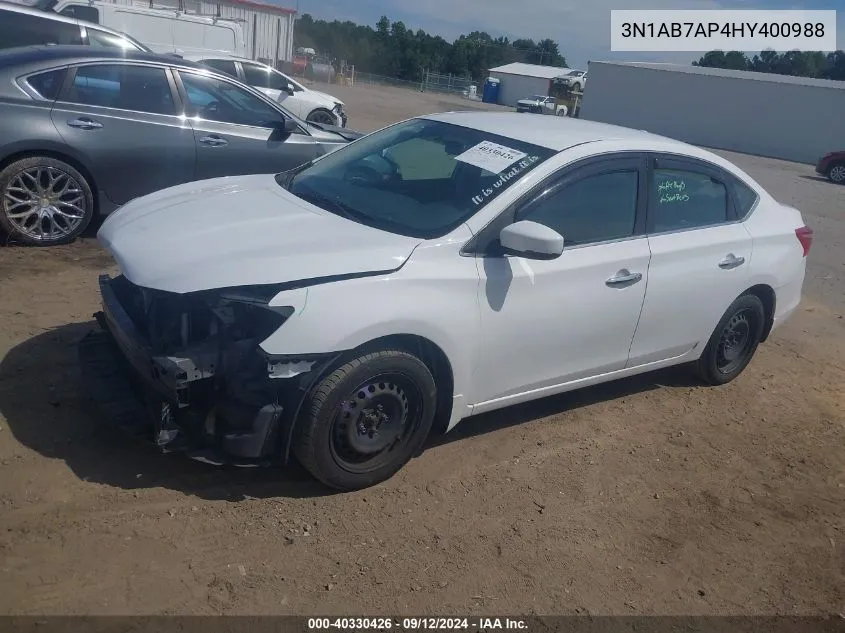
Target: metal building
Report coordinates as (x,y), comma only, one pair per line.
(520,81)
(777,116)
(267,28)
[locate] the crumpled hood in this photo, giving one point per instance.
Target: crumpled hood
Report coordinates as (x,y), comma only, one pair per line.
(528,102)
(242,230)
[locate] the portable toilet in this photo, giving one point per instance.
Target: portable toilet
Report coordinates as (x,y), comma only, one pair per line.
(491,90)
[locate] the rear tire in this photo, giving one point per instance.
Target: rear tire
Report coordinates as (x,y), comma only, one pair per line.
(365,420)
(734,341)
(44,201)
(836,173)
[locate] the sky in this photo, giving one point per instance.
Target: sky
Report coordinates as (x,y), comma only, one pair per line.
(581,27)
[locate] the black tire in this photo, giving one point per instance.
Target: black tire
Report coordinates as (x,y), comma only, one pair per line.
(836,173)
(330,438)
(321,115)
(54,214)
(734,341)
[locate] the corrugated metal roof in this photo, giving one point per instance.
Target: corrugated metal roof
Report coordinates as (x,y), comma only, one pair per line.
(531,70)
(735,74)
(262,6)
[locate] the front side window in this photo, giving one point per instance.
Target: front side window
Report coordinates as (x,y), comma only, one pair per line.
(419,178)
(595,208)
(127,87)
(19,29)
(263,77)
(216,100)
(47,84)
(685,200)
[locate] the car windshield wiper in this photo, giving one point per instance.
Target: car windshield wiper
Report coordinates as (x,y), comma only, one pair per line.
(334,205)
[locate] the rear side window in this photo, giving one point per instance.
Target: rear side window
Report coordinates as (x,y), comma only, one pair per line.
(128,87)
(47,84)
(686,200)
(746,198)
(19,29)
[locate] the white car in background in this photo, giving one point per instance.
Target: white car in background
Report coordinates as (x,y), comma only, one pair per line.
(575,80)
(442,267)
(307,104)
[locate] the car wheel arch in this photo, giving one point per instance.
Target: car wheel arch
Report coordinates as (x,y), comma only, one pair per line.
(429,352)
(767,296)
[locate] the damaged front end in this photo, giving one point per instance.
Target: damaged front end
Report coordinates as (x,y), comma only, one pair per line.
(187,370)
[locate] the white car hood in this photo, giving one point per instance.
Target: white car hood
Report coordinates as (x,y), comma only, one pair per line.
(325,96)
(242,230)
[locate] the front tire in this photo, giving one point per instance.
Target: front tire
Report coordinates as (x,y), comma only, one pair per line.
(44,201)
(322,116)
(836,173)
(365,420)
(734,341)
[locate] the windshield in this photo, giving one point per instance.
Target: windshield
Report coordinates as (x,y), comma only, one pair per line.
(574,73)
(539,98)
(419,178)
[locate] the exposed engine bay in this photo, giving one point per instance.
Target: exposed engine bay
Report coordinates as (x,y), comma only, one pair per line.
(197,369)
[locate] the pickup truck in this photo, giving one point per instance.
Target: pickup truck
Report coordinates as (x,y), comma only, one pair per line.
(538,104)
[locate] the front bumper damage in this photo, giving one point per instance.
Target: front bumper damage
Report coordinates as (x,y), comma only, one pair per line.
(186,372)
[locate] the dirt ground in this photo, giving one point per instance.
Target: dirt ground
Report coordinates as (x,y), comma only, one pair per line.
(652,495)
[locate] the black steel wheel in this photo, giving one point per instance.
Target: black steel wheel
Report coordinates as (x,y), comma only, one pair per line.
(366,419)
(734,341)
(44,201)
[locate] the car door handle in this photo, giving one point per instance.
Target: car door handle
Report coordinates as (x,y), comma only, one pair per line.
(731,261)
(624,277)
(214,141)
(85,123)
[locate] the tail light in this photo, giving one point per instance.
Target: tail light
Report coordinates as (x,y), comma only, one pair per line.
(805,236)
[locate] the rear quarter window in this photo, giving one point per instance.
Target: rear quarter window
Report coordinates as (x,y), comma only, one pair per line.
(746,198)
(47,84)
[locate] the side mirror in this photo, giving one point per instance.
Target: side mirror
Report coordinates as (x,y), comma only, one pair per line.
(289,90)
(531,240)
(285,126)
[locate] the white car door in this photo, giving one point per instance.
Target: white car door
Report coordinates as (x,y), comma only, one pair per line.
(700,256)
(548,322)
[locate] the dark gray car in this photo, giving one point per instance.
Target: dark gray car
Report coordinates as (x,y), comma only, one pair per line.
(84,131)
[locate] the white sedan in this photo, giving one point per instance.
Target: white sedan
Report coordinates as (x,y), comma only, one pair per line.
(311,105)
(442,267)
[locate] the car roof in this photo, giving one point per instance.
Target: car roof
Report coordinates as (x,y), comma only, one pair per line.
(234,58)
(70,54)
(552,132)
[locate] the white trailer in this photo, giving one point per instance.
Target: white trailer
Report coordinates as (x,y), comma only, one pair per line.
(778,116)
(243,28)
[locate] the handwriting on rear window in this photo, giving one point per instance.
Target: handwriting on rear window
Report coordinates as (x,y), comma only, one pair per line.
(672,191)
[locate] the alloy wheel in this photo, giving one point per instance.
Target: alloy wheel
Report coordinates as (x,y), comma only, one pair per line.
(44,203)
(837,173)
(322,117)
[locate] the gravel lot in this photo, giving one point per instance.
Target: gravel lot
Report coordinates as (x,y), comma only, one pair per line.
(653,495)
